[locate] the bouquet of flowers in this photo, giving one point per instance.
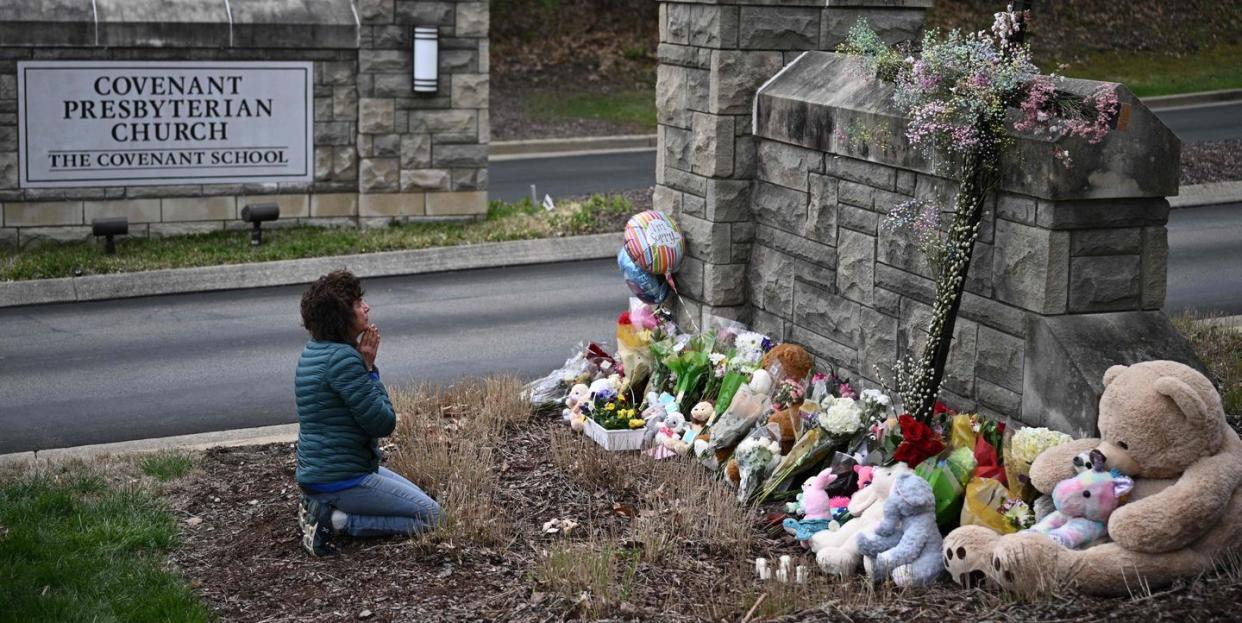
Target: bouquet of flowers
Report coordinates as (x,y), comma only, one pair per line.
(1024,445)
(756,456)
(835,422)
(918,441)
(612,411)
(633,350)
(690,364)
(748,350)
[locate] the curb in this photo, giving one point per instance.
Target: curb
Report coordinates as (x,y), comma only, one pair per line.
(1160,102)
(548,147)
(282,433)
(1202,195)
(292,272)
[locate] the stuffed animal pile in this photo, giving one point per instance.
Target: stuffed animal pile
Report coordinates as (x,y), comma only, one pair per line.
(1160,422)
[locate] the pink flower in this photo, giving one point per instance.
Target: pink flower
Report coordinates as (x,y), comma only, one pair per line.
(847,391)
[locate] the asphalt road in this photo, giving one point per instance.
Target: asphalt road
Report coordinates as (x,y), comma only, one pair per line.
(99,372)
(565,176)
(1205,259)
(1212,122)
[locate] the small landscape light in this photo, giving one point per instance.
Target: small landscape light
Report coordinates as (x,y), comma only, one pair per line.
(257,214)
(426,51)
(109,227)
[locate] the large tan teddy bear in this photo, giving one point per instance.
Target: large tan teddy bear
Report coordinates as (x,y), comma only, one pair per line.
(1161,422)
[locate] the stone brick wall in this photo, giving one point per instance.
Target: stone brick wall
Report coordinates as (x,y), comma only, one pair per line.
(1067,278)
(380,152)
(714,54)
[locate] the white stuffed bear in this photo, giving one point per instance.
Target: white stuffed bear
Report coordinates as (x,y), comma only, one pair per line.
(573,406)
(836,551)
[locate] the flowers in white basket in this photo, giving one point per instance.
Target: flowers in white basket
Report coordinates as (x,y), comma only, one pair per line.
(1030,442)
(841,416)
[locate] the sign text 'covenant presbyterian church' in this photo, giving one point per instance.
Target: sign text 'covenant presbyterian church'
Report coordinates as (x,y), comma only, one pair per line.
(115,123)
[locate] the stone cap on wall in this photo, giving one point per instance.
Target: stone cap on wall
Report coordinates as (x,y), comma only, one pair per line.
(824,101)
(179,23)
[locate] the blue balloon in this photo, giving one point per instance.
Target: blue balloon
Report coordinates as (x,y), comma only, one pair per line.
(649,288)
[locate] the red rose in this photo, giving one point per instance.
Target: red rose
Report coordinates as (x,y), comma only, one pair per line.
(918,441)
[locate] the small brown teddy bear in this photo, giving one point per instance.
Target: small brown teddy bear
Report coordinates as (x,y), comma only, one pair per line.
(795,362)
(1160,422)
(787,362)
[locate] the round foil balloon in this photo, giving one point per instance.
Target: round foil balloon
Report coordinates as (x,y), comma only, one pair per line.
(654,242)
(649,288)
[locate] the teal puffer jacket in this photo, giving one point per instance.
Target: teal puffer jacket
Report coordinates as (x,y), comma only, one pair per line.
(342,413)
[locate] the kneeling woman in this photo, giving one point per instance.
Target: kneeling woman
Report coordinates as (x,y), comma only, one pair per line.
(343,410)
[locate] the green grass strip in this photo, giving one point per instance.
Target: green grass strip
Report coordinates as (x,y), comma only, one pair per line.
(1154,73)
(505,221)
(73,548)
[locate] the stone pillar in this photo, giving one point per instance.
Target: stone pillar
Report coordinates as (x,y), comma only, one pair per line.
(1067,277)
(714,55)
(422,157)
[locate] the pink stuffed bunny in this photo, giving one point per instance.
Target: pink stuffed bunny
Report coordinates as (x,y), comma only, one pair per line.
(817,504)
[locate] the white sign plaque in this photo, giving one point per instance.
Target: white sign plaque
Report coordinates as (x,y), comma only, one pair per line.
(120,123)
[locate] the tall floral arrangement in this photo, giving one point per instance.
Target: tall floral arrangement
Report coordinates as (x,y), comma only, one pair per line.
(958,93)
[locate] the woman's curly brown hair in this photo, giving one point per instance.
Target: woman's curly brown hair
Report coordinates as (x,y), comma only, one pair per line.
(328,306)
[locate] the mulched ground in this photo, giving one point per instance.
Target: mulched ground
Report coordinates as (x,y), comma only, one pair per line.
(1212,161)
(240,551)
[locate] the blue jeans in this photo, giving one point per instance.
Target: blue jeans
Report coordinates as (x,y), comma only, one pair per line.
(384,503)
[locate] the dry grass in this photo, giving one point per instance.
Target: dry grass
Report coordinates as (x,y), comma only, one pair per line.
(677,504)
(595,576)
(446,442)
(1219,346)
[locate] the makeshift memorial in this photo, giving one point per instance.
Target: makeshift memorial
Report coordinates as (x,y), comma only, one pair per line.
(1021,449)
(1181,516)
(836,551)
(1084,504)
(655,243)
(905,544)
(756,456)
(647,287)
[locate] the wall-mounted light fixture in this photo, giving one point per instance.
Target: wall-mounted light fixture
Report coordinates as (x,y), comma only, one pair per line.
(426,59)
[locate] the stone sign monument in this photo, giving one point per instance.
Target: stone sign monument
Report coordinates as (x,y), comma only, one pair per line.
(178,113)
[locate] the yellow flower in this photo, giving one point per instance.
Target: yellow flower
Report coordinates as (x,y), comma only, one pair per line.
(610,406)
(637,423)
